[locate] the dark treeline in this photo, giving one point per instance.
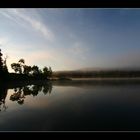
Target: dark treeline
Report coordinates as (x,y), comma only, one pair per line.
(22,71)
(25,72)
(96,74)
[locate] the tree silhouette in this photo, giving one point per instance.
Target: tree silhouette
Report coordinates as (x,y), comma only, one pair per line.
(5,65)
(45,71)
(16,67)
(35,70)
(32,72)
(27,69)
(50,72)
(22,63)
(1,62)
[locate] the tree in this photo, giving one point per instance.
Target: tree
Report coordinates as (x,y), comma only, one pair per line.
(45,71)
(22,63)
(5,65)
(50,72)
(19,67)
(35,70)
(27,69)
(16,67)
(1,62)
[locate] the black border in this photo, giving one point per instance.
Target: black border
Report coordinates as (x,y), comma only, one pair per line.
(68,135)
(70,4)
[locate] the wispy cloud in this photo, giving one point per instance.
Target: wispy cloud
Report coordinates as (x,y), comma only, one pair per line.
(21,17)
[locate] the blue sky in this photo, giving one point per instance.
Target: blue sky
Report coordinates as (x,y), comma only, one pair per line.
(74,38)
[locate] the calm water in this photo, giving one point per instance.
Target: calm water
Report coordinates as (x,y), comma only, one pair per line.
(72,106)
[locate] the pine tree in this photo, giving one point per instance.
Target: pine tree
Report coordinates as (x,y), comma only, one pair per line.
(3,67)
(1,62)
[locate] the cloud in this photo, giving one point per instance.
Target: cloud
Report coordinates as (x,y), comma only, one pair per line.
(21,16)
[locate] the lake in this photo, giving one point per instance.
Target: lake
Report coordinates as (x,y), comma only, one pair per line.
(71,106)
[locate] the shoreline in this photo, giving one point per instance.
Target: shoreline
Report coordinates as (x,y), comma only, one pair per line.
(107,78)
(72,82)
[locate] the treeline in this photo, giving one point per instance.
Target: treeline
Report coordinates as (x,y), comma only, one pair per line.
(4,74)
(23,71)
(32,72)
(96,74)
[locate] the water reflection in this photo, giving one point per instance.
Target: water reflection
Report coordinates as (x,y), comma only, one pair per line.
(3,94)
(21,92)
(72,106)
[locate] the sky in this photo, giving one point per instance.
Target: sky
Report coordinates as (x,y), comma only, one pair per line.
(71,38)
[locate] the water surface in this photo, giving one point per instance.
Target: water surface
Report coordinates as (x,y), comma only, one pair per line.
(71,106)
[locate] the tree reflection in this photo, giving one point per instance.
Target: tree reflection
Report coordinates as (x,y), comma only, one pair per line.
(36,89)
(21,92)
(18,95)
(3,94)
(47,89)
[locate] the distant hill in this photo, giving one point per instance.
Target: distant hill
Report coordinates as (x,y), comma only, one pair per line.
(109,69)
(93,69)
(98,72)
